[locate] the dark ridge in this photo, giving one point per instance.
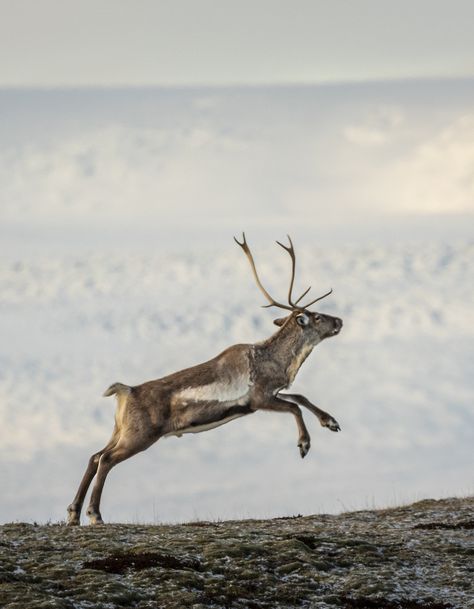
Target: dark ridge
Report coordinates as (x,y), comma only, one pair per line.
(463,524)
(349,602)
(119,562)
(308,541)
(288,517)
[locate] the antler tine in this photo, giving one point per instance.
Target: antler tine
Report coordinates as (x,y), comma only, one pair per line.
(248,253)
(302,295)
(316,299)
(291,251)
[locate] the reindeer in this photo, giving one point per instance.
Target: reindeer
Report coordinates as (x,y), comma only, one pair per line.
(241,380)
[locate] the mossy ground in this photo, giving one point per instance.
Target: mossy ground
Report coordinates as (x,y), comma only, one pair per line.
(414,557)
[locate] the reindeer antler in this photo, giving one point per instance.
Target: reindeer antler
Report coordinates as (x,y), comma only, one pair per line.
(248,253)
(292,305)
(316,299)
(291,251)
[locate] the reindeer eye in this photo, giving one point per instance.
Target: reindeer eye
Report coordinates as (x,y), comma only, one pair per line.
(317,318)
(302,320)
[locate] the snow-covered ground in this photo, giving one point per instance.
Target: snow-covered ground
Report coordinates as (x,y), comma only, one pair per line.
(398,379)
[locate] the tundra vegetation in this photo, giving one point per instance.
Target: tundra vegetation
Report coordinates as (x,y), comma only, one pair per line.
(413,557)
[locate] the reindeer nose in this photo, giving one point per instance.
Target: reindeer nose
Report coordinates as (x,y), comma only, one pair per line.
(337,323)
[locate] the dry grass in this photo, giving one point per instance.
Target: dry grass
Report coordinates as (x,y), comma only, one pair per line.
(413,557)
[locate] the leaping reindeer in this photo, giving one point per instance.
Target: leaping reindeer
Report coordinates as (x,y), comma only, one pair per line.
(239,381)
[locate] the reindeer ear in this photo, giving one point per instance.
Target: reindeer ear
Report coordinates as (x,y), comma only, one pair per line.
(280,321)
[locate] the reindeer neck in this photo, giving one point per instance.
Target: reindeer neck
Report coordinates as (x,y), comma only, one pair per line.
(287,350)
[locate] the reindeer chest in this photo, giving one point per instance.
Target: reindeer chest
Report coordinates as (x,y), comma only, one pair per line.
(296,362)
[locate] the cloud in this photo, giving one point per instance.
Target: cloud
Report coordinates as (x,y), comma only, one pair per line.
(422,170)
(385,164)
(378,128)
(438,175)
(365,136)
(122,172)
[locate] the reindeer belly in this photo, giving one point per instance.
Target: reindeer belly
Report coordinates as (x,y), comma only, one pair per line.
(202,417)
(205,407)
(197,428)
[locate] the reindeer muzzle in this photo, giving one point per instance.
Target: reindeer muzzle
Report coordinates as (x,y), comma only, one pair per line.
(337,325)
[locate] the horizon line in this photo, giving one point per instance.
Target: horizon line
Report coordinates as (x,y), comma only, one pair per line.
(236,85)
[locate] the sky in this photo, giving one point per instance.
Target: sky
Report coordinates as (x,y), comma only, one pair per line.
(57,43)
(371,114)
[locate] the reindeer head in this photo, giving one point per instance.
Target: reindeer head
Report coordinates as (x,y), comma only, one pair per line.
(312,327)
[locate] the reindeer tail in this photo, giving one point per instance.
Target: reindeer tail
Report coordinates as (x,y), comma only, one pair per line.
(116,388)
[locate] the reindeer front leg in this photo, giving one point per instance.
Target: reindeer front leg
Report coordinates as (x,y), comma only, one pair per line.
(276,404)
(325,419)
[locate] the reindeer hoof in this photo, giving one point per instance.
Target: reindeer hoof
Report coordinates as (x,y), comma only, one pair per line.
(332,424)
(304,447)
(73,516)
(94,517)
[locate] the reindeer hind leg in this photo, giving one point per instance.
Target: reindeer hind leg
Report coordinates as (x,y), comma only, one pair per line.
(108,459)
(74,509)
